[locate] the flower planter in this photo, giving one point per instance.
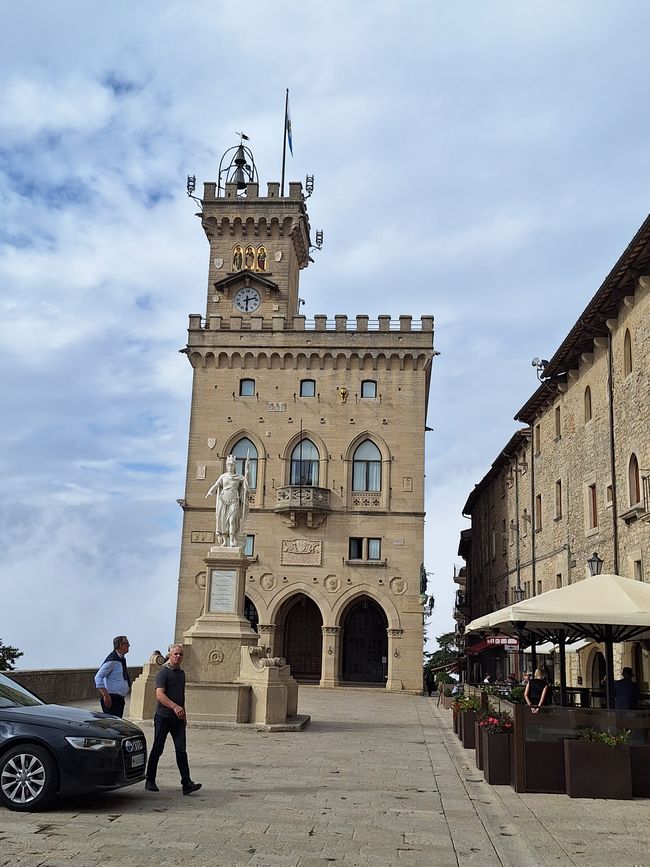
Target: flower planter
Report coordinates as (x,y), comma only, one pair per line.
(454,722)
(447,701)
(640,765)
(478,742)
(467,732)
(496,758)
(594,770)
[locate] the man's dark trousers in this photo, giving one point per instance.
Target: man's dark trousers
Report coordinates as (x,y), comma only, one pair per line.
(117,705)
(164,725)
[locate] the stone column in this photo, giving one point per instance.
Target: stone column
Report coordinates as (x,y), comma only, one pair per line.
(267,634)
(395,636)
(331,656)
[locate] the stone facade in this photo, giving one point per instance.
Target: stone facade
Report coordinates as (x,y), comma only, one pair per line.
(336,564)
(576,479)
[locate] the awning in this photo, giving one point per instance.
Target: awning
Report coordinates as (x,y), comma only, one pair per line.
(492,642)
(549,647)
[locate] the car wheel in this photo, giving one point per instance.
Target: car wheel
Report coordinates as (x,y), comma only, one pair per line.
(28,778)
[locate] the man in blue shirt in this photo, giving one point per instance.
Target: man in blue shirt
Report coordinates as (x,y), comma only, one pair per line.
(112,680)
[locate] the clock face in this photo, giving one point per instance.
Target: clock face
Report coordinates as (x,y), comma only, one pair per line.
(247,300)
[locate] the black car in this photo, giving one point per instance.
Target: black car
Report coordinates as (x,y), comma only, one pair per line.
(47,750)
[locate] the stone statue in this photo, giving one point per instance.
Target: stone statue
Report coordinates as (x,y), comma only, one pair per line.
(423,579)
(231,510)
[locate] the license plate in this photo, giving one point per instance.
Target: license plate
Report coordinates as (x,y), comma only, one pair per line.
(137,761)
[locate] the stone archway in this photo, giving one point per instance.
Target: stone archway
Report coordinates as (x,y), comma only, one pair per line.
(303,638)
(365,643)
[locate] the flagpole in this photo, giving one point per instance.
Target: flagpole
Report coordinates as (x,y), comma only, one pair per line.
(284,141)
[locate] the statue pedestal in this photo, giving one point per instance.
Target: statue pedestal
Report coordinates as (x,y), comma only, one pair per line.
(229,678)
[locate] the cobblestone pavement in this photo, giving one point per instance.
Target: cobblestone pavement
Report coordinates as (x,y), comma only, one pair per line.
(376,779)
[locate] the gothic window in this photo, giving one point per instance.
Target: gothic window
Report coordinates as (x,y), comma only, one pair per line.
(634,481)
(627,353)
(304,464)
(366,467)
(592,507)
(587,404)
(558,423)
(244,449)
(368,388)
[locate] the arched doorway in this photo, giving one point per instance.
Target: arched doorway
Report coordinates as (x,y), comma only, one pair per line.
(303,638)
(598,673)
(250,613)
(365,643)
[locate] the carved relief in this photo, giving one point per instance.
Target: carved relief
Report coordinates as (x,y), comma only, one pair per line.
(216,657)
(343,393)
(199,580)
(203,537)
(330,630)
(395,633)
(301,552)
(218,263)
(407,483)
(200,472)
(211,442)
(398,586)
(332,583)
(366,500)
(267,581)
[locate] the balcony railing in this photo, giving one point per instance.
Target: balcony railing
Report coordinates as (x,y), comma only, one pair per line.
(291,498)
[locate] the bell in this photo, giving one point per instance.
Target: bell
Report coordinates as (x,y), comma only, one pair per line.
(239,178)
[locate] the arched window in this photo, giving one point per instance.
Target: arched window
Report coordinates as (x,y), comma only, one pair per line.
(245,449)
(587,404)
(634,481)
(369,388)
(627,353)
(366,467)
(307,388)
(304,464)
(246,387)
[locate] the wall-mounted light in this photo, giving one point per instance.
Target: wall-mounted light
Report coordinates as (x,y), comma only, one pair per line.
(595,564)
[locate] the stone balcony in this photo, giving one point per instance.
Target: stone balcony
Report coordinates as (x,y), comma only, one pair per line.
(296,500)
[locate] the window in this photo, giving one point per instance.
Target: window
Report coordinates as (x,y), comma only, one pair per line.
(592,504)
(587,404)
(638,570)
(504,536)
(538,439)
(538,512)
(525,518)
(247,388)
(368,388)
(366,467)
(609,494)
(364,549)
(249,548)
(539,587)
(558,498)
(634,481)
(558,581)
(493,543)
(304,464)
(627,353)
(558,423)
(307,388)
(243,451)
(374,549)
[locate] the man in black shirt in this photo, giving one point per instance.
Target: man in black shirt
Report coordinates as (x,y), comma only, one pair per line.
(170,719)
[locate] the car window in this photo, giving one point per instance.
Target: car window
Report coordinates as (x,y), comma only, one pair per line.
(12,694)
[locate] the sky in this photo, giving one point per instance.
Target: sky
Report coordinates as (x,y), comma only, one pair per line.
(484,161)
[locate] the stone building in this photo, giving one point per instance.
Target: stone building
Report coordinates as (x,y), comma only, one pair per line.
(330,416)
(576,478)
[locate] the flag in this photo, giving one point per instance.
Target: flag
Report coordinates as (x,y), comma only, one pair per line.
(288,126)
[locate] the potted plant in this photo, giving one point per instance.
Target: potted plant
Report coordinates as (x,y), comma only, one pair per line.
(496,728)
(466,708)
(597,764)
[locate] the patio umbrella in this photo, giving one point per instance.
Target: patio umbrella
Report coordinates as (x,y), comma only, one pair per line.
(603,608)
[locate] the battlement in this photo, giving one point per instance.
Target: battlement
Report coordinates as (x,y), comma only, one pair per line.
(253,193)
(360,324)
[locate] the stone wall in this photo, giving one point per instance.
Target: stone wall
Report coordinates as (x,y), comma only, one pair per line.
(62,685)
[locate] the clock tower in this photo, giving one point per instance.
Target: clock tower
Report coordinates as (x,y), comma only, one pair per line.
(329,417)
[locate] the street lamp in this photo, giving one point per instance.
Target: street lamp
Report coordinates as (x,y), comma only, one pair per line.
(595,564)
(519,594)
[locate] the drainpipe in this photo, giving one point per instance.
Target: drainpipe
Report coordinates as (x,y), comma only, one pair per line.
(612,449)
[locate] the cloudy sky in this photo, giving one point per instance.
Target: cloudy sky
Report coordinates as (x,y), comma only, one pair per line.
(483,161)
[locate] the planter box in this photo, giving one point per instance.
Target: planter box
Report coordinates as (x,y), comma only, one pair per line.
(496,758)
(454,722)
(467,732)
(478,741)
(545,766)
(597,771)
(640,766)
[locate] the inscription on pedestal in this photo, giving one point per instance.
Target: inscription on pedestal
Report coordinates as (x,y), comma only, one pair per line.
(223,584)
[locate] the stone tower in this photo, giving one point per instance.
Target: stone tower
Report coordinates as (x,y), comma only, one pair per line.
(331,416)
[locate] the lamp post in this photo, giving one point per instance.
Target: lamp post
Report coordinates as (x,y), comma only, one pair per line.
(595,564)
